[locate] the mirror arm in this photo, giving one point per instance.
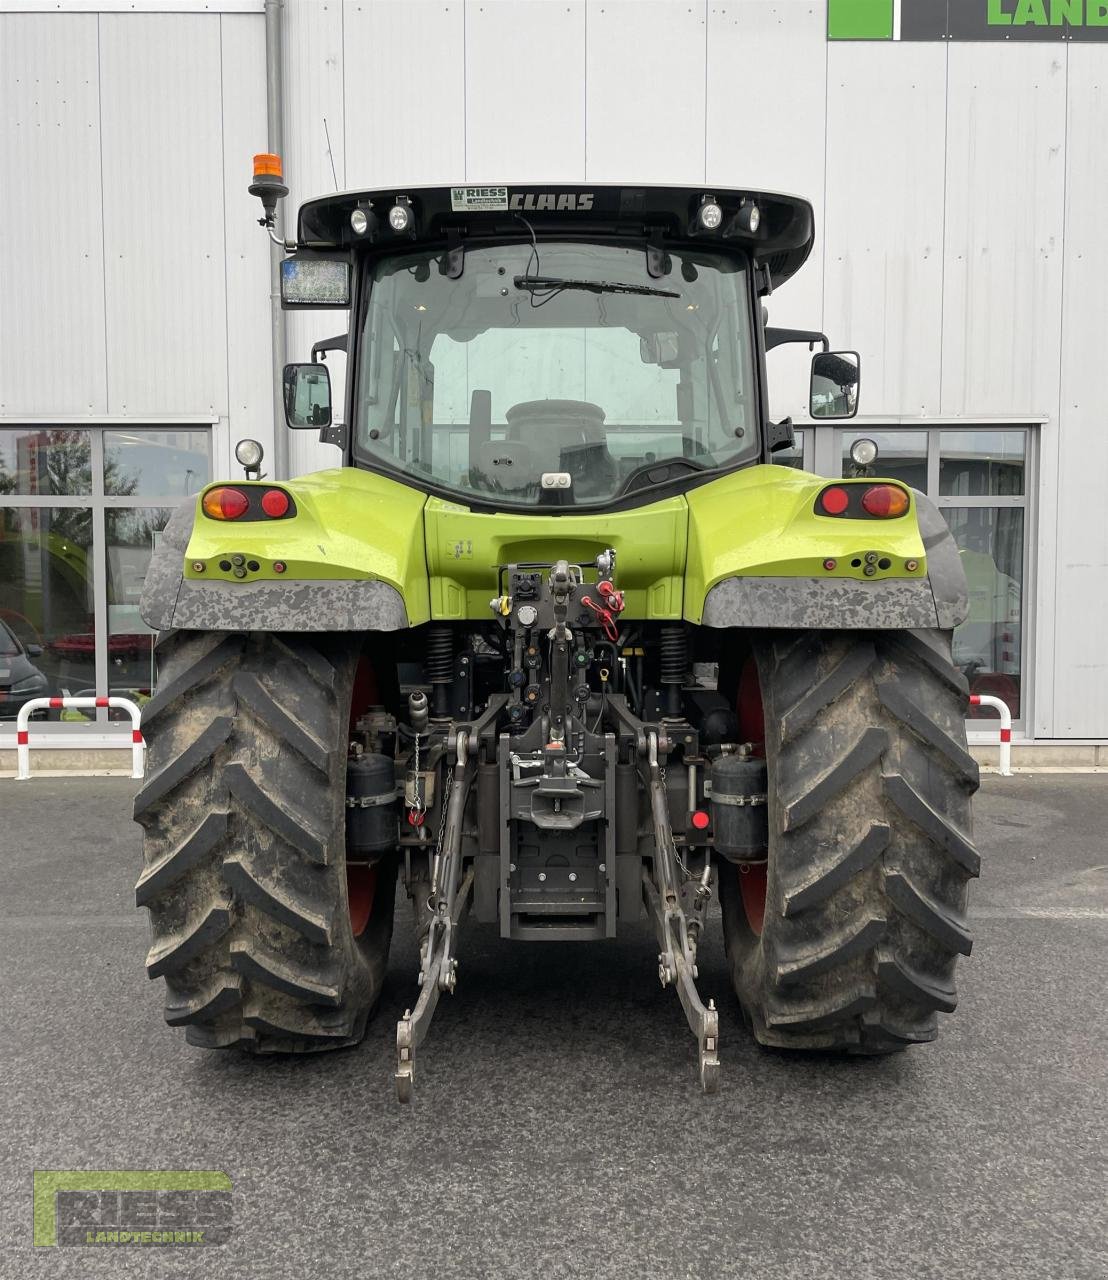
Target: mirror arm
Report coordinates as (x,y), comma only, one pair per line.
(334,434)
(289,246)
(778,337)
(779,435)
(337,343)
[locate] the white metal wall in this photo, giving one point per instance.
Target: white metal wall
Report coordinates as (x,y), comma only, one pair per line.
(133,281)
(959,191)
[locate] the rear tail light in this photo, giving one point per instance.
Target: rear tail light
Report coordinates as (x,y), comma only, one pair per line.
(885,501)
(834,500)
(275,502)
(862,502)
(225,504)
(255,502)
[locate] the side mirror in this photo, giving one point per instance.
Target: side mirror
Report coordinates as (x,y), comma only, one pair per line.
(33,650)
(835,379)
(307,396)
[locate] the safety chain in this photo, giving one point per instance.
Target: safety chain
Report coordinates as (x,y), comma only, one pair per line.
(443,804)
(416,809)
(672,842)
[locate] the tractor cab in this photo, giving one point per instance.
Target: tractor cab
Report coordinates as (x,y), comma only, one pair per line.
(518,347)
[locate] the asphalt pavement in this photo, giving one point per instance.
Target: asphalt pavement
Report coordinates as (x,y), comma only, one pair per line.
(557,1128)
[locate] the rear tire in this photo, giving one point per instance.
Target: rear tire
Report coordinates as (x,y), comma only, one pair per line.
(870,843)
(245,863)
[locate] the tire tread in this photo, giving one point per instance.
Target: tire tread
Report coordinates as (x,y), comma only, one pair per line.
(871,843)
(244,867)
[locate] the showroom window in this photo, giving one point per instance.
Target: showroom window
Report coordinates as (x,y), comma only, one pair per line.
(978,477)
(81,509)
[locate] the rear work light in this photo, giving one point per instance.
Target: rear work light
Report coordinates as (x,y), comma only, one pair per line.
(225,504)
(885,501)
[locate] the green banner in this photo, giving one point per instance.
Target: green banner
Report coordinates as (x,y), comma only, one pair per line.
(967,20)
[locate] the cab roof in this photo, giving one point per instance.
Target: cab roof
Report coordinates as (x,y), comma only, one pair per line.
(657,214)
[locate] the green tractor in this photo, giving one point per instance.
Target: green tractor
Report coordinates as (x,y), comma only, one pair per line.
(558,644)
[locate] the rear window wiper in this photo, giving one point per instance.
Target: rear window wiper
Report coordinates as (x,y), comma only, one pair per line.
(555,284)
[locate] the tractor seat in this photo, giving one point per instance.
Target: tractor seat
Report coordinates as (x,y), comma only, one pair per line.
(567,435)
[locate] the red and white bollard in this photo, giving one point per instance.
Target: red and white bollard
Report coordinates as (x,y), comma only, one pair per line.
(22,735)
(987,700)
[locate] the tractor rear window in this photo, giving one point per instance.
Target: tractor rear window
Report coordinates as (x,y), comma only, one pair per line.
(503,388)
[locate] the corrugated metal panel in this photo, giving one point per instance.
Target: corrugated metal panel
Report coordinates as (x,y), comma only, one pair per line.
(758,135)
(163,213)
(405,92)
(51,234)
(1080,659)
(645,69)
(883,277)
(393,75)
(314,68)
(1006,131)
(249,366)
(314,71)
(136,6)
(525,91)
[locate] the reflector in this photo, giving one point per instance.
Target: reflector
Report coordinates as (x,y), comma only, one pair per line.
(834,500)
(275,502)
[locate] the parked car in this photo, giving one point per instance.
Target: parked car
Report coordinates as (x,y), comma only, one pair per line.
(20,679)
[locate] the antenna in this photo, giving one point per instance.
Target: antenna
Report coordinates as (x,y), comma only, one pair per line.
(327,135)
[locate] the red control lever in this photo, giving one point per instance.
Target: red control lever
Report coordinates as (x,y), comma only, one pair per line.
(612,598)
(604,616)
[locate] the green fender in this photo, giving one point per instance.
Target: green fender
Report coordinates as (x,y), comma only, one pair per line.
(353,560)
(364,552)
(761,556)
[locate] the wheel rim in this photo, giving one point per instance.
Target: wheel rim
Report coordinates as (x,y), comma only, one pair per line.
(752,728)
(361,882)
